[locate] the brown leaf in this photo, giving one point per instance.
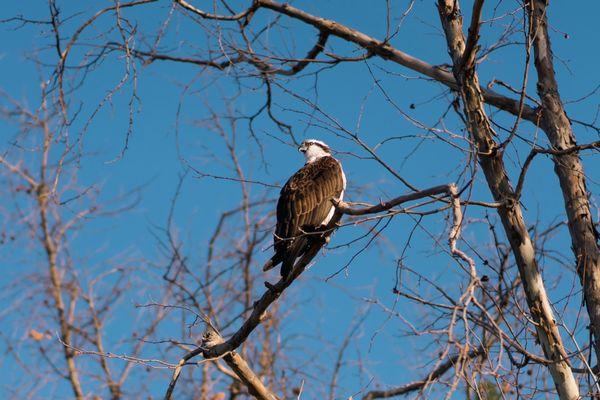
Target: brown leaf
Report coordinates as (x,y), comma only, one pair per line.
(36,335)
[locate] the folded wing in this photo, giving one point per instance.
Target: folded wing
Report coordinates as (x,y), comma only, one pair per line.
(304,204)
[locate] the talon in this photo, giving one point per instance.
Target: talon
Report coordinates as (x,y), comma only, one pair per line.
(270,286)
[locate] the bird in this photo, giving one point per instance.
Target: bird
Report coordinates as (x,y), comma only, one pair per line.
(305,203)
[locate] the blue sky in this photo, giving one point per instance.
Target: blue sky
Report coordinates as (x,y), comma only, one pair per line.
(324,308)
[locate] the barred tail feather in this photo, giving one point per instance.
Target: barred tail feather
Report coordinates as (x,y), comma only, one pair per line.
(273,262)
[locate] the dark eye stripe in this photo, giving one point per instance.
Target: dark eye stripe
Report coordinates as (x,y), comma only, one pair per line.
(324,147)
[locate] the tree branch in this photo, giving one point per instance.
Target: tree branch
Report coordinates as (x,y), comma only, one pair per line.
(420,384)
(536,150)
(203,14)
(568,168)
(217,349)
(388,52)
(510,213)
(241,368)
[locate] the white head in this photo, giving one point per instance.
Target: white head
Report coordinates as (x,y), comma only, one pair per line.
(314,149)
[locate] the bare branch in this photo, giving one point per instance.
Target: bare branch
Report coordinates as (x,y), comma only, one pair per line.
(387,52)
(206,15)
(420,384)
(492,164)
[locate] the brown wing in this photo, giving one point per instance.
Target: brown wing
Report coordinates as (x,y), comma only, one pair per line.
(305,200)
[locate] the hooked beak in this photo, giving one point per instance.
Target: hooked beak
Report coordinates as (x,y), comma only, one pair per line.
(302,149)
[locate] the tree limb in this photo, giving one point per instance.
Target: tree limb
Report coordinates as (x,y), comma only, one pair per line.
(388,52)
(569,170)
(217,349)
(420,384)
(510,213)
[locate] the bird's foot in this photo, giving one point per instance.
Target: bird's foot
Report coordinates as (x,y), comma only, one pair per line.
(270,286)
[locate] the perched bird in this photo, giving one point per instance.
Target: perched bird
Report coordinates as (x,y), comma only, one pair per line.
(305,204)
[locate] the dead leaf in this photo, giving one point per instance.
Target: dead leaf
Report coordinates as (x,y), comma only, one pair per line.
(36,335)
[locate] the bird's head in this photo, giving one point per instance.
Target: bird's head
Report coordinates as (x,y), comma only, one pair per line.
(314,149)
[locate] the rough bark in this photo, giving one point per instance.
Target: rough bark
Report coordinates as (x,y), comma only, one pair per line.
(569,169)
(255,386)
(241,370)
(491,161)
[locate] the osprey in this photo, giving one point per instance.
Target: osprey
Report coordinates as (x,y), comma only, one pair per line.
(305,204)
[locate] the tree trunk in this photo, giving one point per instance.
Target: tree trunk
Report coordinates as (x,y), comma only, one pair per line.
(491,161)
(569,169)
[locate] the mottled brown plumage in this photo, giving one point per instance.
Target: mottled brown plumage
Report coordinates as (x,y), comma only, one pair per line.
(304,205)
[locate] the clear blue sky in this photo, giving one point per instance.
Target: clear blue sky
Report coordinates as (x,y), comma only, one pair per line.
(323,308)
